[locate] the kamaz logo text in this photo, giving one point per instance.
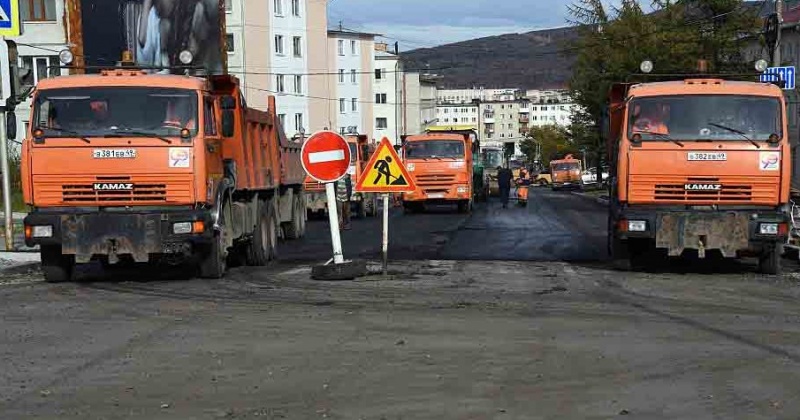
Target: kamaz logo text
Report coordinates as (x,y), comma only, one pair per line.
(112,187)
(702,187)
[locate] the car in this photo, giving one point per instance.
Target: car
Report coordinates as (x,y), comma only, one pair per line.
(589,176)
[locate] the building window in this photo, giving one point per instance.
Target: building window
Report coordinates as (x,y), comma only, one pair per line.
(39,68)
(229,43)
(353,76)
(378,74)
(341,47)
(354,105)
(282,119)
(298,122)
(279,44)
(381,123)
(298,83)
(278,7)
(279,84)
(342,106)
(341,75)
(296,9)
(297,46)
(228,5)
(380,98)
(353,48)
(37,10)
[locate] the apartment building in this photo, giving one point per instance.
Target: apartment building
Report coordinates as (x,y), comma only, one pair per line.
(350,82)
(275,48)
(503,122)
(458,114)
(465,96)
(43,37)
(388,89)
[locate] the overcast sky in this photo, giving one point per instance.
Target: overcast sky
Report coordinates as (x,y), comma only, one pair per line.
(426,23)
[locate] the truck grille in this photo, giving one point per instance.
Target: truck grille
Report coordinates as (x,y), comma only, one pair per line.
(435,179)
(85,193)
(77,190)
(733,190)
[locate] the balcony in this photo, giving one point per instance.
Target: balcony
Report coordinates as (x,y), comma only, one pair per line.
(524,130)
(488,120)
(524,119)
(488,114)
(525,110)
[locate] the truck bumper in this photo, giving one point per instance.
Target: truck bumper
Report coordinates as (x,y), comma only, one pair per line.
(443,194)
(730,232)
(112,234)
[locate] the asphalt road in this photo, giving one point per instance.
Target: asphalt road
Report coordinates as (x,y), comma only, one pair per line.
(548,332)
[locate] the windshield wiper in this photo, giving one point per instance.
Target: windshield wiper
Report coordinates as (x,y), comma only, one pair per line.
(139,134)
(736,131)
(660,135)
(65,131)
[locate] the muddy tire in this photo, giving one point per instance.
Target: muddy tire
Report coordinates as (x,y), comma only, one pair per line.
(296,229)
(258,252)
(57,268)
(770,261)
(215,262)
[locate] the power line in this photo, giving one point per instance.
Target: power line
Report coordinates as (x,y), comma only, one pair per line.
(324,98)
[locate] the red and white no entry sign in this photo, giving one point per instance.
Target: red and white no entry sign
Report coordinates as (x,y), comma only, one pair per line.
(326,156)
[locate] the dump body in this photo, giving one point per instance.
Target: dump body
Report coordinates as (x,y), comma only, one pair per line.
(566,173)
(442,165)
(699,164)
(129,165)
(361,149)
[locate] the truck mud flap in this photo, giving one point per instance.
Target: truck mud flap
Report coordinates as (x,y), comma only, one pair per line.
(726,232)
(112,235)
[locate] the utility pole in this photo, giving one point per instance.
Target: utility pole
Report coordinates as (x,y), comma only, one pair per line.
(776,56)
(6,102)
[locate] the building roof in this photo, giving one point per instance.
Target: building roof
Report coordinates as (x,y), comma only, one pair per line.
(383,55)
(347,32)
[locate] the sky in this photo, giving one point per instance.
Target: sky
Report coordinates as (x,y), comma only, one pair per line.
(427,23)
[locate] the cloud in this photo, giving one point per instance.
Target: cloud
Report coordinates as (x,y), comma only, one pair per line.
(427,23)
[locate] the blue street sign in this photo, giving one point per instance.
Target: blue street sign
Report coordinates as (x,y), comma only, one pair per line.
(9,18)
(774,74)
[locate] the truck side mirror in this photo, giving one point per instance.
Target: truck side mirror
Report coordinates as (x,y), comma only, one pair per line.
(227,123)
(11,125)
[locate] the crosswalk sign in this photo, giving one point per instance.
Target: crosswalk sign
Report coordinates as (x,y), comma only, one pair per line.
(9,18)
(385,172)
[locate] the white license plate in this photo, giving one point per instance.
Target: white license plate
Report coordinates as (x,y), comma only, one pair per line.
(436,195)
(114,153)
(707,156)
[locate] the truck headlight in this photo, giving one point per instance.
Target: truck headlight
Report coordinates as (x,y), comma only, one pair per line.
(182,228)
(462,189)
(768,228)
(42,232)
(637,225)
(411,167)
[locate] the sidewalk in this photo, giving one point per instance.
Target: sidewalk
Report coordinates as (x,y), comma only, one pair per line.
(18,262)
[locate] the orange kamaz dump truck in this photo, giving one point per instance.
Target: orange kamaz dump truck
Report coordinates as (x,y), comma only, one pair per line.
(699,165)
(363,204)
(442,165)
(566,173)
(130,166)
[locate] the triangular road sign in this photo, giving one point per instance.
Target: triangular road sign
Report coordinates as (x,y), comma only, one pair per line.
(385,172)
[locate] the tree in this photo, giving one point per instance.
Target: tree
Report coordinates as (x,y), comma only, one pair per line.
(676,34)
(550,140)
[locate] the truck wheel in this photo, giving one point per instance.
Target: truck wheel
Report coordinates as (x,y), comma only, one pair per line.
(215,262)
(297,227)
(56,267)
(770,261)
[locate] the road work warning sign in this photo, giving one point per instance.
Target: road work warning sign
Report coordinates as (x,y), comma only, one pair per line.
(385,172)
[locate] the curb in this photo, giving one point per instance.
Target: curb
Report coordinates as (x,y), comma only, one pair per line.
(596,200)
(23,268)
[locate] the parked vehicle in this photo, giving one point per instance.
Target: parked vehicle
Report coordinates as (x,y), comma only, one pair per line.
(129,166)
(566,173)
(589,176)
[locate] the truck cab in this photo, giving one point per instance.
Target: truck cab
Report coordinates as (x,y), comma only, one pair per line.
(566,173)
(442,165)
(701,165)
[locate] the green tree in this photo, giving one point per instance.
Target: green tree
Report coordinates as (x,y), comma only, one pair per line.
(553,140)
(674,35)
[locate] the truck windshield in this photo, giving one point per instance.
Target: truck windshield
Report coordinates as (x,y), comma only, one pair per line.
(435,149)
(115,111)
(566,166)
(704,117)
(492,158)
(353,152)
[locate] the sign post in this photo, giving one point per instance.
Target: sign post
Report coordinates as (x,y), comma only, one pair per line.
(385,173)
(326,158)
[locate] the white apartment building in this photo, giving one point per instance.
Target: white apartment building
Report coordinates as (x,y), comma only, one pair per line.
(352,60)
(457,114)
(551,114)
(275,48)
(388,88)
(463,96)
